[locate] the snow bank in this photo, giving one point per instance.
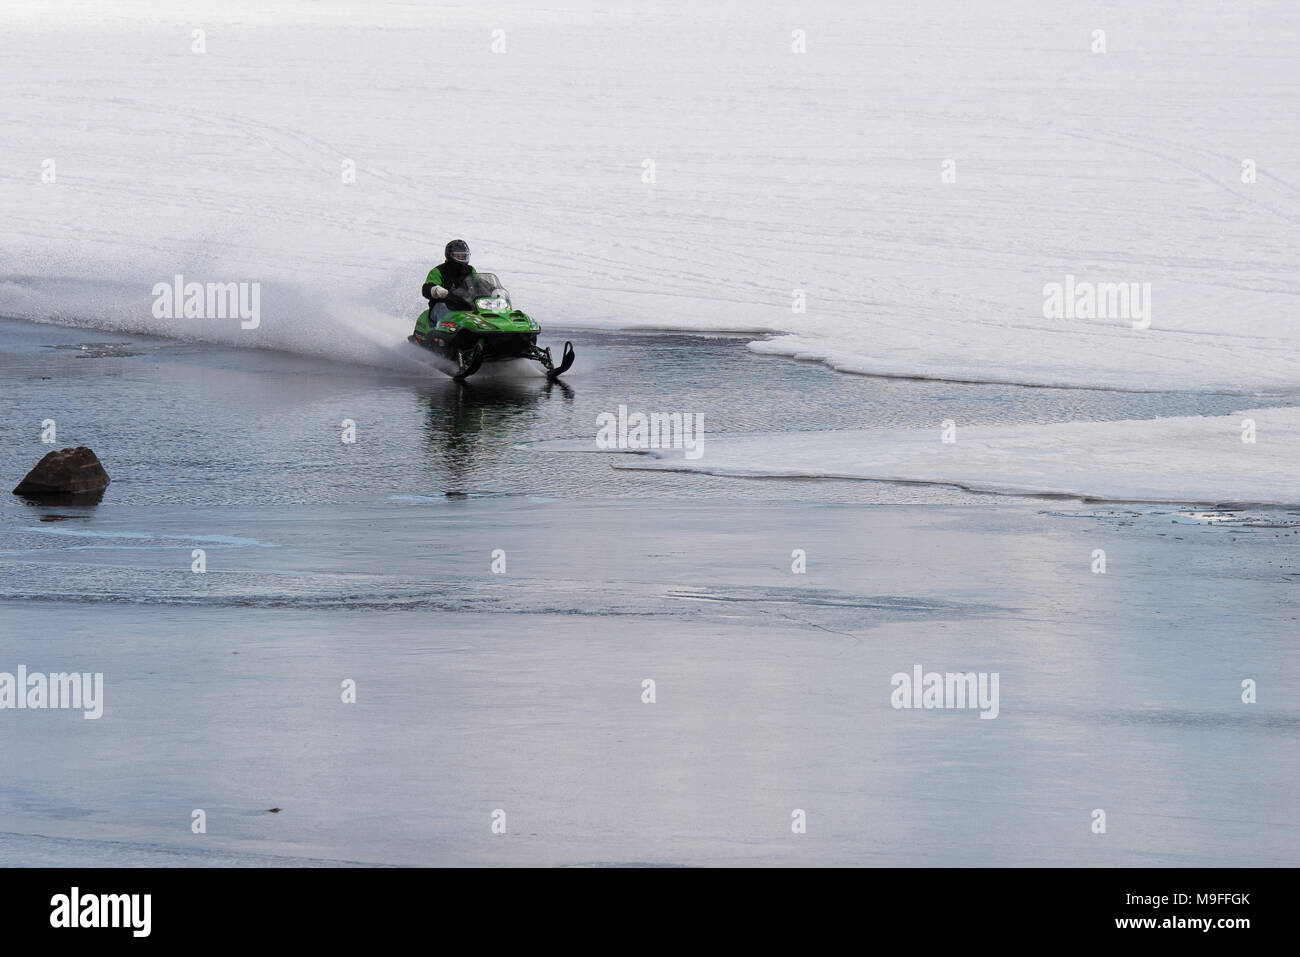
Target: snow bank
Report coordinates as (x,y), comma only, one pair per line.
(782,181)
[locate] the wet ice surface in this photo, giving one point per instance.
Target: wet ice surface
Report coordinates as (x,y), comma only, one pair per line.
(522,691)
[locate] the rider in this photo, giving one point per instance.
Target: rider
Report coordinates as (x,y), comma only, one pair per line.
(452,273)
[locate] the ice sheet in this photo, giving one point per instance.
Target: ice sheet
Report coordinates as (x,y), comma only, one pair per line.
(1187,459)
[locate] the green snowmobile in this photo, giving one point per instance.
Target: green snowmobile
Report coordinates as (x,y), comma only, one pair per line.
(476,324)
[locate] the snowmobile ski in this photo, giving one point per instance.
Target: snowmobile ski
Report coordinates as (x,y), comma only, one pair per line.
(565,361)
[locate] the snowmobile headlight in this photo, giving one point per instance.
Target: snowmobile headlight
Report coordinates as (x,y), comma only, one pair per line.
(494,304)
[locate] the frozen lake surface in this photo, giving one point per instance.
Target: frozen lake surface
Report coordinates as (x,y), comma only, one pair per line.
(726,209)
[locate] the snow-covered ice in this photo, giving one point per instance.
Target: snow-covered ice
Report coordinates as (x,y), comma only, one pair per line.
(774,171)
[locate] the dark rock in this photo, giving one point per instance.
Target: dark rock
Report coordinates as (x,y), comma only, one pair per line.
(65,472)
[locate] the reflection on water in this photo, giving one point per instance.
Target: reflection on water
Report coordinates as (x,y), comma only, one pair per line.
(74,499)
(470,426)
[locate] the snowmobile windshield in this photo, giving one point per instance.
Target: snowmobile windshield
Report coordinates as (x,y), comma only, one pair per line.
(485,292)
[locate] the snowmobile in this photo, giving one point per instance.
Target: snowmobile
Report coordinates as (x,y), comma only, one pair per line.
(477,324)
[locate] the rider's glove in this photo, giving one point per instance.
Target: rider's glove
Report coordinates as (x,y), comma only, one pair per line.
(432,291)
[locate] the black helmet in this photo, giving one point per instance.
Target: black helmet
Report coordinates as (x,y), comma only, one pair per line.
(457,250)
